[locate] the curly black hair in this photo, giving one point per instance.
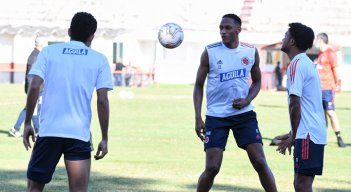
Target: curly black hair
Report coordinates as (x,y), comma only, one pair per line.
(302,34)
(236,18)
(83,25)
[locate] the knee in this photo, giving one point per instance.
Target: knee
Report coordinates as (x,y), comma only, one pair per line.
(302,186)
(331,113)
(212,170)
(259,163)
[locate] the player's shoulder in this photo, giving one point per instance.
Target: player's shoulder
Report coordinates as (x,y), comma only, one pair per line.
(213,45)
(97,54)
(246,45)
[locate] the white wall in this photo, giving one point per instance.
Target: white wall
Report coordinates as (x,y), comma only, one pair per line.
(6,42)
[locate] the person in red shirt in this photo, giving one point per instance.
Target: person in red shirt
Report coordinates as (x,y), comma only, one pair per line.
(327,69)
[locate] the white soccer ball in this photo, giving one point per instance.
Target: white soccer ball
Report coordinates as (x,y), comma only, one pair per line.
(170,35)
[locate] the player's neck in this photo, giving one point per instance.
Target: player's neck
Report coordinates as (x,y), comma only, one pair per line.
(324,47)
(293,53)
(232,45)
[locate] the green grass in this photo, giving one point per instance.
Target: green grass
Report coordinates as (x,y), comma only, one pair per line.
(153,145)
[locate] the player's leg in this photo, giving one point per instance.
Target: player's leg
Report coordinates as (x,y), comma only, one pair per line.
(248,137)
(303,183)
(45,156)
(78,172)
(308,162)
(216,137)
(77,161)
(33,186)
(214,158)
(258,161)
(14,131)
(329,107)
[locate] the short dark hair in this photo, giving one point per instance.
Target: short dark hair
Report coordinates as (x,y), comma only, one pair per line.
(83,25)
(324,37)
(302,34)
(236,19)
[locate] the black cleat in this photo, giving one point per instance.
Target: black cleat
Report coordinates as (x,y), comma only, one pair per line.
(341,143)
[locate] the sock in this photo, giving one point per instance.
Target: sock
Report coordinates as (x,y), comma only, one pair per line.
(337,133)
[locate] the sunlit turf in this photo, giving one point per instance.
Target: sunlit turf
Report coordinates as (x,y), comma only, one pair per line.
(153,145)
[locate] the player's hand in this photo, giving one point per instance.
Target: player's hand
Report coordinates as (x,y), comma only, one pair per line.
(240,103)
(200,129)
(28,132)
(101,150)
(286,143)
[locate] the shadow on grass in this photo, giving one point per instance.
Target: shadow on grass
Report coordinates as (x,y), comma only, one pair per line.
(285,106)
(5,132)
(221,187)
(17,181)
(272,106)
(331,190)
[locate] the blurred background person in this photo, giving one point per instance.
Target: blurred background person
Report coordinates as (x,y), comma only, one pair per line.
(328,71)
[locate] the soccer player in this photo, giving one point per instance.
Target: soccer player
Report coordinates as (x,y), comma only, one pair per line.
(227,66)
(308,132)
(71,71)
(327,68)
(40,42)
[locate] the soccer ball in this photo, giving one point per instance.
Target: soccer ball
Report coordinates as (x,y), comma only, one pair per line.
(170,35)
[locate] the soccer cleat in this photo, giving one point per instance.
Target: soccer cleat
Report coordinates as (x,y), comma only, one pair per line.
(15,133)
(341,143)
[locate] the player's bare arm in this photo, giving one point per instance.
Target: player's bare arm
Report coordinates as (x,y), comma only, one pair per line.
(198,94)
(103,114)
(334,66)
(255,86)
(32,98)
(295,116)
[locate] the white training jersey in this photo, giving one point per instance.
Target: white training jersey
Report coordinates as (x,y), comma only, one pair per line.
(303,81)
(71,72)
(228,78)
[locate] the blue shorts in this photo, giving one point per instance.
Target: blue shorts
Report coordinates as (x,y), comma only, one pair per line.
(308,157)
(244,127)
(328,100)
(47,152)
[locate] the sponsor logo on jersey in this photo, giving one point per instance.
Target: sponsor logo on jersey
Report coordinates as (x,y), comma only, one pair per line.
(245,60)
(71,51)
(219,64)
(240,73)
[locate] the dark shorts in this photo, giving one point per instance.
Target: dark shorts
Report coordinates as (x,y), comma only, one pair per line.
(244,127)
(308,157)
(47,152)
(328,100)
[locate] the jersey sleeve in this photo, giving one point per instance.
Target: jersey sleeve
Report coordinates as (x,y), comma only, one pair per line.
(333,61)
(39,66)
(296,78)
(104,79)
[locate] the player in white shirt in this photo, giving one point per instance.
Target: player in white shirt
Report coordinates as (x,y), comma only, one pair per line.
(71,72)
(308,132)
(228,66)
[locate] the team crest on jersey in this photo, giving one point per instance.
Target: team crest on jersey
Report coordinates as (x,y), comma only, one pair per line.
(240,73)
(245,60)
(207,139)
(71,51)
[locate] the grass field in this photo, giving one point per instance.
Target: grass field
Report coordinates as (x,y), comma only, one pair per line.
(153,145)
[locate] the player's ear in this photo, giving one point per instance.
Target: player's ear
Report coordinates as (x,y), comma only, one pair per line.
(89,40)
(292,41)
(239,29)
